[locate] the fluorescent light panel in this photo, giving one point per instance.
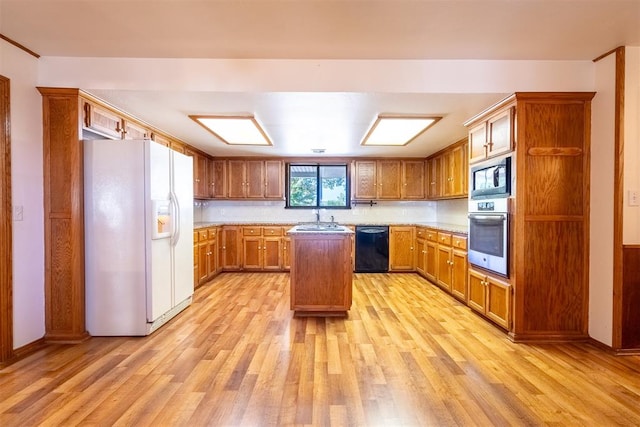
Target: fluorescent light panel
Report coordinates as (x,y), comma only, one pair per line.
(393,129)
(234,130)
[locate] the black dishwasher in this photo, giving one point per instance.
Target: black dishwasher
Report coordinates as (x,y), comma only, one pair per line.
(372,248)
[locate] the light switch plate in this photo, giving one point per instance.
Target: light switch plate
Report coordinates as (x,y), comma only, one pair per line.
(634,198)
(17,213)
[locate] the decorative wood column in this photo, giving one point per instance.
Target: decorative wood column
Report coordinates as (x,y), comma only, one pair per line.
(63,216)
(6,258)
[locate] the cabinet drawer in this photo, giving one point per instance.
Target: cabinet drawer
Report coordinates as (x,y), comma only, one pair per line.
(444,238)
(431,235)
(203,235)
(272,231)
(421,233)
(251,231)
(459,242)
(213,232)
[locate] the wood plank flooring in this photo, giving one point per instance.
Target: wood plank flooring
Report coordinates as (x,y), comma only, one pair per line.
(407,355)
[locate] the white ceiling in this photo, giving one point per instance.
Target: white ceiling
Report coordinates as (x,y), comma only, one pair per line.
(317,30)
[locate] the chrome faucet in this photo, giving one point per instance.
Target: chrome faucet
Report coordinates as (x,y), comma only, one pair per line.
(318,216)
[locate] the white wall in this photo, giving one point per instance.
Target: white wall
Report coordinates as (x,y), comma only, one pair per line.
(256,211)
(26,182)
(602,181)
(631,214)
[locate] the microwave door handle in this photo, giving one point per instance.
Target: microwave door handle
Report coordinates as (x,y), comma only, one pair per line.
(496,177)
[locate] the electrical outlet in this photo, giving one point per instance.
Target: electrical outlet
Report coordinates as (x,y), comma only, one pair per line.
(17,213)
(634,198)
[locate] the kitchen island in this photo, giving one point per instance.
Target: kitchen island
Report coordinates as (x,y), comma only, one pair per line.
(321,270)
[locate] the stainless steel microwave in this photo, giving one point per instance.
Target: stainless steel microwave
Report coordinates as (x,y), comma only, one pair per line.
(491,179)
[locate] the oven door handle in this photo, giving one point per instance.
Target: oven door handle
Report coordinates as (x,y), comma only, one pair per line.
(488,218)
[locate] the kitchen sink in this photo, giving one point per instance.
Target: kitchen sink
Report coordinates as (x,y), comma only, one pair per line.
(320,227)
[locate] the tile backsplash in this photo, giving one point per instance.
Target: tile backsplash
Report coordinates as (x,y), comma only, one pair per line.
(452,212)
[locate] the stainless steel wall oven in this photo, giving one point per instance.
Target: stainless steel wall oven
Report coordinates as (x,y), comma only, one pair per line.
(489,234)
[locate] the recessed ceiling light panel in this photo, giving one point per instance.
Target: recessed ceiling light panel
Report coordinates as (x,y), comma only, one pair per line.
(234,129)
(396,129)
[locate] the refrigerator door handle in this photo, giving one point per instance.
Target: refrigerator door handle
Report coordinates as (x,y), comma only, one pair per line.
(176,223)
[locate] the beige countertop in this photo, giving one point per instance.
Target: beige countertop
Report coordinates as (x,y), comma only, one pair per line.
(454,228)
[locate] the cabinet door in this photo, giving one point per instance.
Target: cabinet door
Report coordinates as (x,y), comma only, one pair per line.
(160,139)
(286,253)
(254,179)
(231,250)
(218,250)
(217,178)
(365,179)
(200,165)
(444,267)
(412,179)
(176,146)
(252,253)
(500,133)
(199,174)
(431,261)
(135,131)
(203,260)
(102,121)
(388,179)
(457,171)
(271,250)
(196,255)
(498,302)
(421,256)
(435,179)
(478,143)
(273,179)
(401,249)
(236,179)
(477,291)
(459,274)
(212,265)
(446,172)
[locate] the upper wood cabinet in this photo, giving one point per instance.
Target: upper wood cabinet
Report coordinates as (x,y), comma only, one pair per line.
(273,179)
(412,180)
(110,124)
(160,139)
(217,179)
(255,179)
(102,121)
(434,178)
(200,169)
(381,179)
(448,172)
(492,136)
(133,130)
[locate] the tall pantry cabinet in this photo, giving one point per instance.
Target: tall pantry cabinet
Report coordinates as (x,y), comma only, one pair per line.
(549,235)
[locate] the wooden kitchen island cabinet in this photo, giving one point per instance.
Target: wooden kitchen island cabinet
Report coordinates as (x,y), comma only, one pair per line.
(321,273)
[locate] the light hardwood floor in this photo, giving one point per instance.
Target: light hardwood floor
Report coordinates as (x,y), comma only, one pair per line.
(408,354)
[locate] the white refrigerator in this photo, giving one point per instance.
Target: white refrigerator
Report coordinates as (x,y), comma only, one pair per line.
(138,212)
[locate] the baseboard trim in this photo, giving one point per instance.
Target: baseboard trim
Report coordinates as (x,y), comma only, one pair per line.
(24,351)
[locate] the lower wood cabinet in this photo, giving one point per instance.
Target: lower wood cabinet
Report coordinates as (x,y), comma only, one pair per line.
(230,249)
(401,248)
(490,297)
(262,248)
(286,253)
(206,260)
